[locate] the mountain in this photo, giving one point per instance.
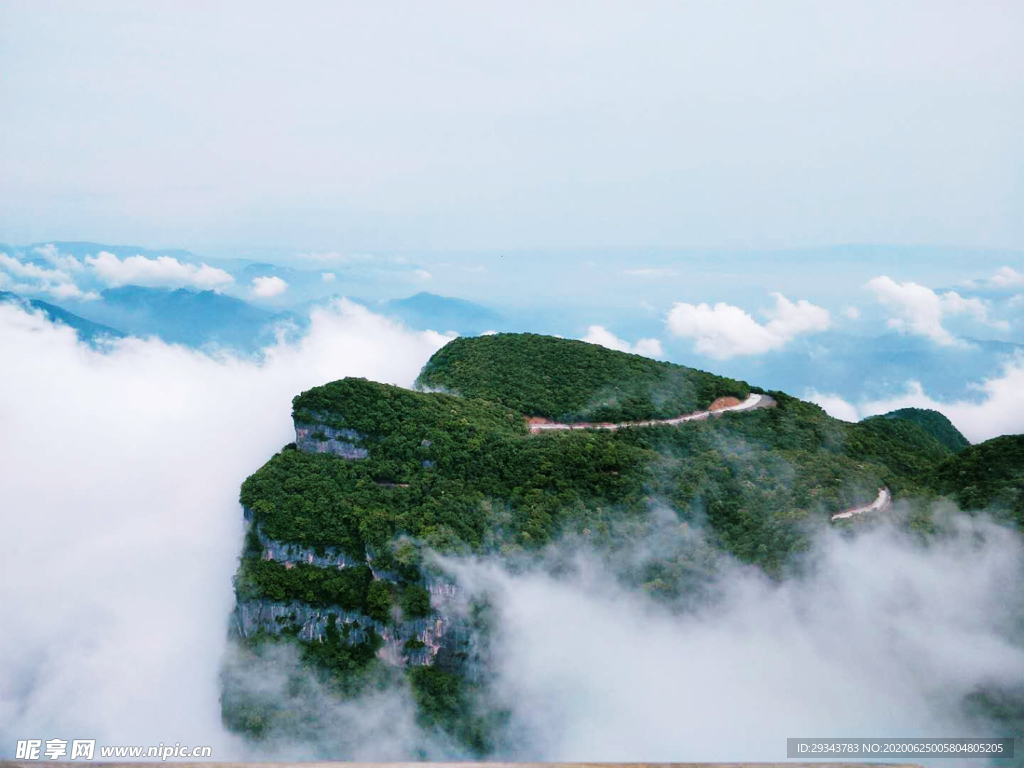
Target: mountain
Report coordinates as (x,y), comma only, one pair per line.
(441,313)
(335,560)
(932,422)
(571,380)
(986,475)
(88,331)
(188,317)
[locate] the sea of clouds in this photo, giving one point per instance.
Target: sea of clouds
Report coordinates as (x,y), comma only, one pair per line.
(120,471)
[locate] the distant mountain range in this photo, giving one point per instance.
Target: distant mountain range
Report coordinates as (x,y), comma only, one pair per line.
(182,316)
(198,318)
(440,313)
(87,330)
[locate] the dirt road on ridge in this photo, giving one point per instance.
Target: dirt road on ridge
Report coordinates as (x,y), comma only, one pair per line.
(754,401)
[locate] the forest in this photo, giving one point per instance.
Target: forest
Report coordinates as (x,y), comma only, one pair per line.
(569,380)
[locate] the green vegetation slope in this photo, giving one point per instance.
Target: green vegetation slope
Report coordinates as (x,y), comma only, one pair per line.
(932,422)
(571,380)
(990,474)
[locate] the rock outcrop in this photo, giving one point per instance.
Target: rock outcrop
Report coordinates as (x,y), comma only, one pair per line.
(444,628)
(320,438)
(430,633)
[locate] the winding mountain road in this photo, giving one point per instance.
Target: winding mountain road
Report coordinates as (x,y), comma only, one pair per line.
(882,502)
(752,402)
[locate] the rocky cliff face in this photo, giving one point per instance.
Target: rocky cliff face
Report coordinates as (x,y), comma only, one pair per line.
(443,629)
(320,438)
(433,632)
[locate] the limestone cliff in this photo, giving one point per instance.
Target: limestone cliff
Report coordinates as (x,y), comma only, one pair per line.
(443,628)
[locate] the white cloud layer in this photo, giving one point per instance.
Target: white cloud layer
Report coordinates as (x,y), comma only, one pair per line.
(723,331)
(32,271)
(999,410)
(56,282)
(920,310)
(120,474)
(1008,277)
(597,334)
(901,633)
(52,254)
(163,271)
(834,405)
(268,287)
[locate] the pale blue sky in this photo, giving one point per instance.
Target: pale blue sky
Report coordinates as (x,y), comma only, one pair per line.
(348,126)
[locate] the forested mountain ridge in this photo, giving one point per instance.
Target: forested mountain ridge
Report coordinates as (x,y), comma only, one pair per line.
(932,422)
(986,475)
(571,380)
(340,520)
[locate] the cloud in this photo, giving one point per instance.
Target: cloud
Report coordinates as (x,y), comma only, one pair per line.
(921,310)
(851,313)
(120,474)
(378,726)
(725,331)
(328,277)
(56,282)
(71,291)
(834,406)
(51,253)
(268,287)
(650,272)
(162,271)
(999,410)
(33,271)
(591,670)
(597,334)
(1007,277)
(422,274)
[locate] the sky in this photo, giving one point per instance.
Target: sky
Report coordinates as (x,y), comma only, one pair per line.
(456,126)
